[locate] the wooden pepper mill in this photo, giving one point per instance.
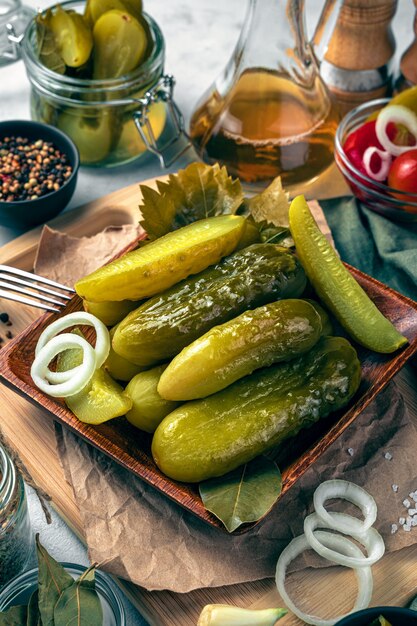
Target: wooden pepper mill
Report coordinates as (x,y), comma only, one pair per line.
(358,64)
(408,64)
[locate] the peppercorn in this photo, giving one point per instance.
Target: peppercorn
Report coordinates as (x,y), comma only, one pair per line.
(4,317)
(30,169)
(9,334)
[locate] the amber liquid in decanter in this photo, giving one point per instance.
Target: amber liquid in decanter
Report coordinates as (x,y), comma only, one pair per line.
(266,126)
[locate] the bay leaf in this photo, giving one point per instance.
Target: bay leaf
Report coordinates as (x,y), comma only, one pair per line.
(244,495)
(14,616)
(33,614)
(196,192)
(52,581)
(80,604)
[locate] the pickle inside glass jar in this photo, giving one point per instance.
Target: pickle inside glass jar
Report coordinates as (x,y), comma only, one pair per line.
(120,43)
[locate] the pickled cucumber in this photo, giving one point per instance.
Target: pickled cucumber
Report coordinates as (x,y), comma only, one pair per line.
(118,367)
(210,437)
(148,409)
(110,313)
(101,400)
(326,324)
(161,327)
(164,262)
(92,132)
(269,334)
(95,8)
(73,36)
(336,286)
(120,43)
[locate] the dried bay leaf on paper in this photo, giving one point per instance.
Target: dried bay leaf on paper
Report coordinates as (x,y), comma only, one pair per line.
(79,604)
(53,580)
(194,193)
(244,495)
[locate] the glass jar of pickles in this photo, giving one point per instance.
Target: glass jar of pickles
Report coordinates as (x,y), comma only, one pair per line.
(112,120)
(15,535)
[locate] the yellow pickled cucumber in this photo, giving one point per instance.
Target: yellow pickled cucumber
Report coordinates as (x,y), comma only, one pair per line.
(95,8)
(148,409)
(72,36)
(110,313)
(336,286)
(164,262)
(101,400)
(275,332)
(120,43)
(118,367)
(91,133)
(130,143)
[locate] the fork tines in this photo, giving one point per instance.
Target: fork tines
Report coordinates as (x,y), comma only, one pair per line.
(17,284)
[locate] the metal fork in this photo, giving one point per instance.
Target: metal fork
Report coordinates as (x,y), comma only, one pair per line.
(17,284)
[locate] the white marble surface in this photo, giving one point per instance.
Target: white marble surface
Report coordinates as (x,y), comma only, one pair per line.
(200,37)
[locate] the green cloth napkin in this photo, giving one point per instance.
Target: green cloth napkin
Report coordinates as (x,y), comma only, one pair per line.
(379,247)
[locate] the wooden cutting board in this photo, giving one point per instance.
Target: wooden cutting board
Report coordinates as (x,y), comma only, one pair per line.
(30,431)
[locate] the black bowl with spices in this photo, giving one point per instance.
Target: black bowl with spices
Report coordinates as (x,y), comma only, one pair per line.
(38,172)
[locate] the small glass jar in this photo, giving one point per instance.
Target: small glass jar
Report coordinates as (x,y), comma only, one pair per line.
(20,589)
(16,538)
(101,116)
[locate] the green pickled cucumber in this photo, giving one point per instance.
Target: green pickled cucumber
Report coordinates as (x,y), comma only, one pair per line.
(120,43)
(148,408)
(118,367)
(207,438)
(101,400)
(336,286)
(91,132)
(110,313)
(161,327)
(95,8)
(326,323)
(275,332)
(73,36)
(164,262)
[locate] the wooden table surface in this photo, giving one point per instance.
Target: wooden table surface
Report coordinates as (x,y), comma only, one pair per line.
(31,433)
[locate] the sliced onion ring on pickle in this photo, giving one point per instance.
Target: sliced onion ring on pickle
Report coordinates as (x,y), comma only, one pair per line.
(80,375)
(102,346)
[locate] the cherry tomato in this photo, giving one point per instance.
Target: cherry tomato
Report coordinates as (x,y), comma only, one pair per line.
(358,141)
(403,175)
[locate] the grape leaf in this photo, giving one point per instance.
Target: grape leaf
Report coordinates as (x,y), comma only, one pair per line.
(14,616)
(49,54)
(53,579)
(79,604)
(244,495)
(194,193)
(271,205)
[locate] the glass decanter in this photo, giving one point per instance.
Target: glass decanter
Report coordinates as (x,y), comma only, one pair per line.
(270,113)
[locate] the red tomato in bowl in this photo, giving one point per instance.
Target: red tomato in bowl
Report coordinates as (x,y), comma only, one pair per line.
(403,175)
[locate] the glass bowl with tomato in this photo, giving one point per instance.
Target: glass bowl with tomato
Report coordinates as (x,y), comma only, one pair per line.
(383,176)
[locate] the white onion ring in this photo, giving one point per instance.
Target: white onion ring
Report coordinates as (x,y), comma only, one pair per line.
(102,346)
(352,493)
(371,540)
(386,159)
(337,542)
(399,115)
(80,375)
